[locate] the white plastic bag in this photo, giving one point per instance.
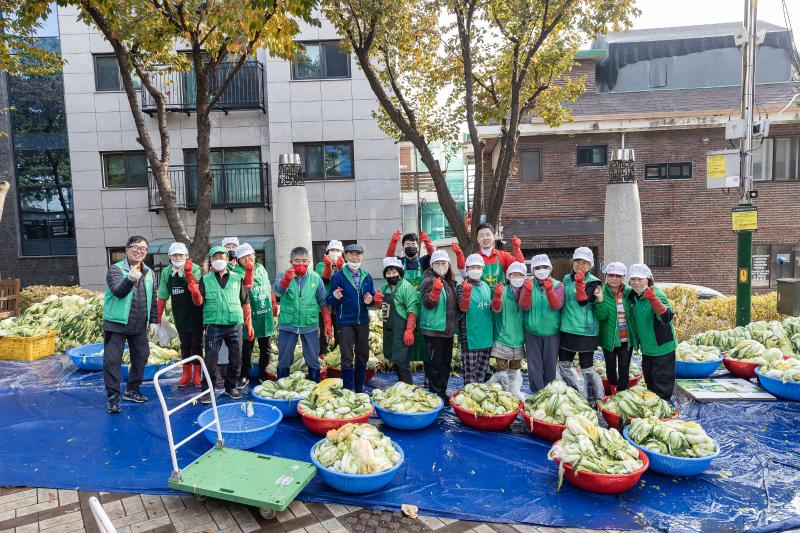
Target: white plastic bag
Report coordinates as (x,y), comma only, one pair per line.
(166,332)
(565,371)
(515,383)
(501,378)
(594,385)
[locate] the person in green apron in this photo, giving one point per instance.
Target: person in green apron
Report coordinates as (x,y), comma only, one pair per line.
(496,262)
(651,329)
(263,307)
(438,321)
(188,317)
(509,333)
(613,338)
(332,262)
(398,301)
(542,322)
(475,326)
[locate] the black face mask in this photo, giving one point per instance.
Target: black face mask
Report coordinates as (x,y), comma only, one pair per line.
(411,251)
(393,280)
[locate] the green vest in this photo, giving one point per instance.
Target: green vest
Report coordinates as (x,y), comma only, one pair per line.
(222,307)
(118,309)
(435,319)
(479,325)
(508,329)
(542,320)
(578,319)
(642,319)
(260,298)
(299,308)
(493,272)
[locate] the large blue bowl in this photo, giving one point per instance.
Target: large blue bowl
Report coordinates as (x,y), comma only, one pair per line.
(776,387)
(408,421)
(687,369)
(355,483)
(287,407)
(673,466)
(87,357)
(239,430)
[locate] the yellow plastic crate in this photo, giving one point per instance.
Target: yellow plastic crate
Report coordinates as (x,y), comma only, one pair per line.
(27,348)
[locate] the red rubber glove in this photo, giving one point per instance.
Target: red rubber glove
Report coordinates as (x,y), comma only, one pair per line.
(248,321)
(550,292)
(466,296)
(424,239)
(460,259)
(187,270)
(655,302)
(408,335)
(162,304)
(580,286)
(516,249)
(326,322)
(275,308)
(249,268)
(377,300)
(526,296)
(192,284)
(340,263)
(287,278)
(436,290)
(497,301)
(390,251)
(327,272)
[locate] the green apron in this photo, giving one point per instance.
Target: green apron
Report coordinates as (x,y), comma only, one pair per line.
(414,277)
(261,303)
(479,326)
(394,327)
(493,272)
(508,327)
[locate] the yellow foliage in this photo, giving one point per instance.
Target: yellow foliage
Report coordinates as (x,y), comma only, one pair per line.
(37,293)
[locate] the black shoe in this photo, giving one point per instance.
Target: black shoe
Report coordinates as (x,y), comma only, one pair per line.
(243,384)
(112,406)
(134,396)
(233,394)
(206,399)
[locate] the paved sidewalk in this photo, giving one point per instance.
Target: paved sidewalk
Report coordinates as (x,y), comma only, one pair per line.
(25,510)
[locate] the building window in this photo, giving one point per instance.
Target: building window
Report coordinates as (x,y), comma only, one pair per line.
(321,60)
(237,176)
(658,256)
(117,254)
(125,169)
(318,249)
(657,73)
(772,262)
(107,76)
(762,160)
(405,159)
(592,156)
(784,164)
(668,171)
(530,166)
(326,161)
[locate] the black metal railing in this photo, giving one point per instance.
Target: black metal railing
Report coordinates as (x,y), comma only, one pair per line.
(245,91)
(235,185)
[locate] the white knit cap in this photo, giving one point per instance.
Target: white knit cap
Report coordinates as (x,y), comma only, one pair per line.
(585,254)
(541,260)
(244,250)
(616,268)
(474,259)
(640,270)
(334,244)
(516,266)
(392,262)
(230,240)
(439,255)
(178,248)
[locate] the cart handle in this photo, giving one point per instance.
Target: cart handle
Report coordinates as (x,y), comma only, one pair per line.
(176,471)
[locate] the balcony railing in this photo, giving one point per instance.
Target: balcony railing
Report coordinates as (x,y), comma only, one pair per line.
(245,91)
(235,185)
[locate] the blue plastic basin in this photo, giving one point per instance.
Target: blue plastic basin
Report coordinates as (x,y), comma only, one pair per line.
(674,466)
(408,421)
(239,430)
(687,369)
(287,407)
(776,387)
(357,483)
(86,358)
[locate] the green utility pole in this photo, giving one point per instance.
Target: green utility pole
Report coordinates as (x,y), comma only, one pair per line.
(744,255)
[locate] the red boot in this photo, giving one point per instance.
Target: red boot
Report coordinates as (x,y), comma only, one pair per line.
(198,375)
(186,376)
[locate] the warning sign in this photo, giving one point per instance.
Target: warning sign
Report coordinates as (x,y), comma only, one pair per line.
(745,218)
(715,166)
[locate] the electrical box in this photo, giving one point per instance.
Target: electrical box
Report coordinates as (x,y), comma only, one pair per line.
(789,296)
(722,169)
(735,128)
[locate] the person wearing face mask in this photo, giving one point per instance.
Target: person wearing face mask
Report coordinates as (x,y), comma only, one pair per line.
(188,317)
(542,323)
(611,313)
(398,301)
(332,262)
(475,327)
(230,244)
(508,304)
(226,306)
(302,295)
(438,321)
(579,326)
(496,261)
(350,294)
(651,329)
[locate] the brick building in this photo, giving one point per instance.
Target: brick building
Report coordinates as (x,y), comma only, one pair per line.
(667,94)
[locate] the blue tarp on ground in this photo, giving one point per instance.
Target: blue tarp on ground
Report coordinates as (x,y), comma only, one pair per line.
(56,433)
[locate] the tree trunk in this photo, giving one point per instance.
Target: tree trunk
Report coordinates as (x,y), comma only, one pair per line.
(4,188)
(205,178)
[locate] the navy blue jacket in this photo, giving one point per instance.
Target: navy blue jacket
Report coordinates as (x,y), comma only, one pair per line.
(350,310)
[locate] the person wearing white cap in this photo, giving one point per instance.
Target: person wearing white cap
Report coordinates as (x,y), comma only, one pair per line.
(542,323)
(613,338)
(651,329)
(230,244)
(475,321)
(332,262)
(398,301)
(438,321)
(509,335)
(187,316)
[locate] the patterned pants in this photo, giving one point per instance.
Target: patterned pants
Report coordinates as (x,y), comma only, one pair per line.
(476,364)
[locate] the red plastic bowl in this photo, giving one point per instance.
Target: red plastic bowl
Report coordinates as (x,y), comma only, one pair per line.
(614,421)
(605,483)
(607,387)
(484,422)
(741,369)
(323,373)
(337,373)
(543,430)
(321,426)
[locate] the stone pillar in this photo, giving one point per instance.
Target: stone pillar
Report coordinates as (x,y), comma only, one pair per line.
(292,217)
(622,227)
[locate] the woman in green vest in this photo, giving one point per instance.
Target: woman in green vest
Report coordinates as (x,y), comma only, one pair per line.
(438,321)
(475,326)
(398,301)
(188,317)
(652,331)
(509,333)
(263,307)
(610,311)
(542,323)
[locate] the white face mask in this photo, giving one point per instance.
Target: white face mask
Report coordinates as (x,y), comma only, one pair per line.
(354,265)
(219,265)
(517,282)
(334,256)
(475,274)
(441,270)
(639,291)
(178,264)
(541,274)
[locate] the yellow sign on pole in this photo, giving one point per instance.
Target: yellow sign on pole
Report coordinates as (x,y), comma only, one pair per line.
(715,166)
(745,218)
(742,275)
